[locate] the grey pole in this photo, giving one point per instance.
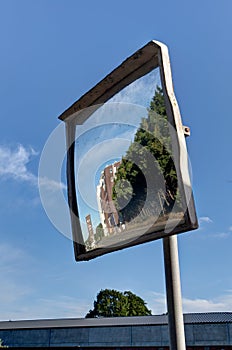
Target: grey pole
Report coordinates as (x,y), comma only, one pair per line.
(173,292)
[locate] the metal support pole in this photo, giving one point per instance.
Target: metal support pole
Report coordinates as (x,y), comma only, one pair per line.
(173,290)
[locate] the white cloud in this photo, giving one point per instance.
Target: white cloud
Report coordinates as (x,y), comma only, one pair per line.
(220,303)
(132,92)
(204,305)
(13,163)
(45,308)
(205,219)
(226,233)
(157,302)
(51,185)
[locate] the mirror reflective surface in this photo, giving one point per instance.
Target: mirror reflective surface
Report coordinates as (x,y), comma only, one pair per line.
(127,168)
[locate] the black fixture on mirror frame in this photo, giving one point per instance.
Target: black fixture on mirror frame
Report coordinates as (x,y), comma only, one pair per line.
(153,55)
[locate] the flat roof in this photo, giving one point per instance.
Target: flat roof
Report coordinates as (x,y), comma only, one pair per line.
(191,318)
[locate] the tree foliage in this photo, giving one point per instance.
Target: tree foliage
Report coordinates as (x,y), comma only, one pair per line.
(152,136)
(113,303)
(99,232)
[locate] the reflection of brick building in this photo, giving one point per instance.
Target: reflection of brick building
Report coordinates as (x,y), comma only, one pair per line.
(90,231)
(107,210)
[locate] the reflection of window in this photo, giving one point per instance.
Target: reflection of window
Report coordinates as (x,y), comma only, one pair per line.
(111,170)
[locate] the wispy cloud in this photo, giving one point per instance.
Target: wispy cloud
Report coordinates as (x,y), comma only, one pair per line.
(205,305)
(132,92)
(205,219)
(223,234)
(14,165)
(12,265)
(51,184)
(45,308)
(19,296)
(157,302)
(220,235)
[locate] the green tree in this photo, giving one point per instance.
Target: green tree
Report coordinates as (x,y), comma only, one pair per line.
(153,136)
(112,303)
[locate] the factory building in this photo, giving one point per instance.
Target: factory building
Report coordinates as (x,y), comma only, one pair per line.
(203,331)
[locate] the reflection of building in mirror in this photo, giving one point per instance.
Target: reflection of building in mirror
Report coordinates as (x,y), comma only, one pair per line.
(128,177)
(108,212)
(139,193)
(109,218)
(91,239)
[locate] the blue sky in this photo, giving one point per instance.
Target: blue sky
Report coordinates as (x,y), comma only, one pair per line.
(51,53)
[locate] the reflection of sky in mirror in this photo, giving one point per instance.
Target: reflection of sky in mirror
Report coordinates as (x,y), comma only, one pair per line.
(89,170)
(140,91)
(105,137)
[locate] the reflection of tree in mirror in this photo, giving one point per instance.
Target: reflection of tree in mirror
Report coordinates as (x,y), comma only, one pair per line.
(94,238)
(138,193)
(99,232)
(153,136)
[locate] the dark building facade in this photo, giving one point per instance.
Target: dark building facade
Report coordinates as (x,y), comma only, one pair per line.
(203,331)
